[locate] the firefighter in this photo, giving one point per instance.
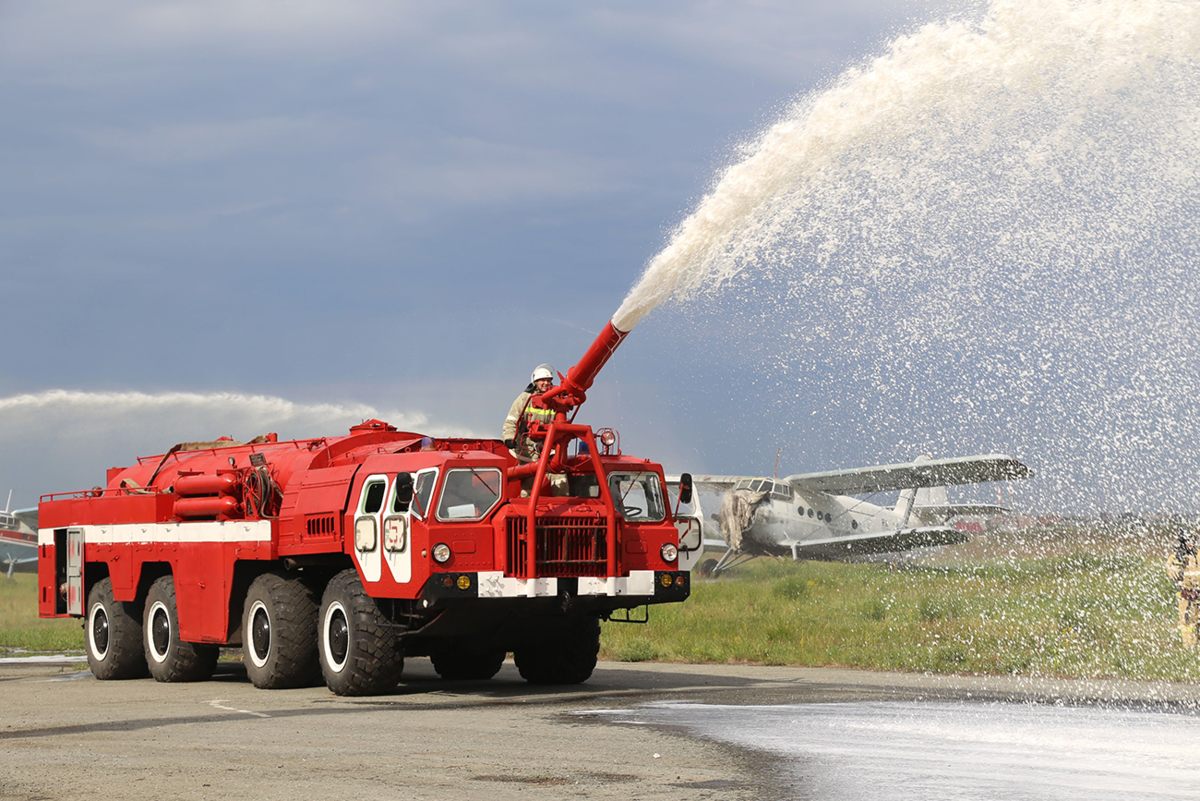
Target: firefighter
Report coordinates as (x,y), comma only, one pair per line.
(526,410)
(1184,570)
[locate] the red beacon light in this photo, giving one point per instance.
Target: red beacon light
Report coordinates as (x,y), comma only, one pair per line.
(607,438)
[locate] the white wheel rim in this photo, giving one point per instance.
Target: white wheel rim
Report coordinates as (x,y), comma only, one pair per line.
(156,608)
(91,631)
(330,612)
(259,660)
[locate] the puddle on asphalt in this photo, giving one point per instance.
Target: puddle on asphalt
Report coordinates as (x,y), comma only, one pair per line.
(921,750)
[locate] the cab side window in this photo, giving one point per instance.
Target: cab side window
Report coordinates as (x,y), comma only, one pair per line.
(373,497)
(423,492)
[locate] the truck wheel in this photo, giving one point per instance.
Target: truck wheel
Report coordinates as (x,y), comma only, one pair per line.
(279,633)
(567,659)
(114,635)
(359,653)
(454,662)
(705,570)
(168,657)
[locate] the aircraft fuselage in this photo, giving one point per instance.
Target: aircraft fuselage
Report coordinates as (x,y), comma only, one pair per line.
(794,522)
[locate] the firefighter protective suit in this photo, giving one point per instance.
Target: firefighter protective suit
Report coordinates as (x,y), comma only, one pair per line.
(525,410)
(1184,569)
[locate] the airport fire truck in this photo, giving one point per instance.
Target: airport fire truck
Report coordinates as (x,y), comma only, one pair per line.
(333,558)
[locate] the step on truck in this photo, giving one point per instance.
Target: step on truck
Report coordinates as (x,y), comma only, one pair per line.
(331,559)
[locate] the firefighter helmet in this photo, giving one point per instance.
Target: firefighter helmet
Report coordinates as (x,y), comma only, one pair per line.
(542,371)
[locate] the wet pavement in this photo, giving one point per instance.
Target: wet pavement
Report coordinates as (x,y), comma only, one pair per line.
(633,731)
(952,750)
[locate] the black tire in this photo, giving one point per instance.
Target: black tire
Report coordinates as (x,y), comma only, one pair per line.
(359,651)
(705,570)
(113,634)
(168,657)
(569,658)
(454,661)
(279,633)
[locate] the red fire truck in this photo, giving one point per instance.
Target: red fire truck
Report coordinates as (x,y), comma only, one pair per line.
(335,557)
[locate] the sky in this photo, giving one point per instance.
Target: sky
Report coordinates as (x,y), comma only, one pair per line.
(230,217)
(246,216)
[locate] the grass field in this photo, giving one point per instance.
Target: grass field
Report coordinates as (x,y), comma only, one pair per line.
(1044,603)
(1053,603)
(20,626)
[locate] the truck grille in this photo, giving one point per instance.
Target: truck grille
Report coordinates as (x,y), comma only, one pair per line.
(566,546)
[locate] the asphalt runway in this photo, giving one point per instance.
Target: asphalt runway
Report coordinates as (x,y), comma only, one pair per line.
(65,735)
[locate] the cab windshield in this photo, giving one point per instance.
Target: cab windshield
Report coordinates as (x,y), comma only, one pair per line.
(638,496)
(469,494)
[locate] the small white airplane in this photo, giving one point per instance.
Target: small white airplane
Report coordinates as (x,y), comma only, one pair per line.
(816,516)
(18,536)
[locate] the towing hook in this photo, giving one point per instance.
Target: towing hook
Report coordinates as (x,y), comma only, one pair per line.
(566,600)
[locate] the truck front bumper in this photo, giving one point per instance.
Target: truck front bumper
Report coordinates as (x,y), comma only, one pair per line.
(640,586)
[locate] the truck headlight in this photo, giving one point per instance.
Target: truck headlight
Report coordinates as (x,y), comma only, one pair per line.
(669,552)
(441,553)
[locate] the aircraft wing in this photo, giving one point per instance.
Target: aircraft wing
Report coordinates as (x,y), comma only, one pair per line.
(908,475)
(884,541)
(28,517)
(949,510)
(719,483)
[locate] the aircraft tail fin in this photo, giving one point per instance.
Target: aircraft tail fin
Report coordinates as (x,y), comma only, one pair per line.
(909,497)
(904,506)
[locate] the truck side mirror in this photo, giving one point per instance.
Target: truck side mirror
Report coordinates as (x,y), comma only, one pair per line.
(404,488)
(685,488)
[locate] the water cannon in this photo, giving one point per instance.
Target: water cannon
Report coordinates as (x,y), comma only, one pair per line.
(568,396)
(572,391)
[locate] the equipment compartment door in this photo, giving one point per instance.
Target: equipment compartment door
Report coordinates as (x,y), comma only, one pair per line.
(690,540)
(397,550)
(367,545)
(689,522)
(74,571)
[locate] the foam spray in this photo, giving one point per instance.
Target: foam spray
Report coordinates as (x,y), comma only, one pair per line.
(984,238)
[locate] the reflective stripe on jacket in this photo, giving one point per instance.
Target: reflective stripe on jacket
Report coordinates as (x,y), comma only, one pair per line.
(526,409)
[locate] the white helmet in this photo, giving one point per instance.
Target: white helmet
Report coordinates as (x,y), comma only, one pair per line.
(542,371)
